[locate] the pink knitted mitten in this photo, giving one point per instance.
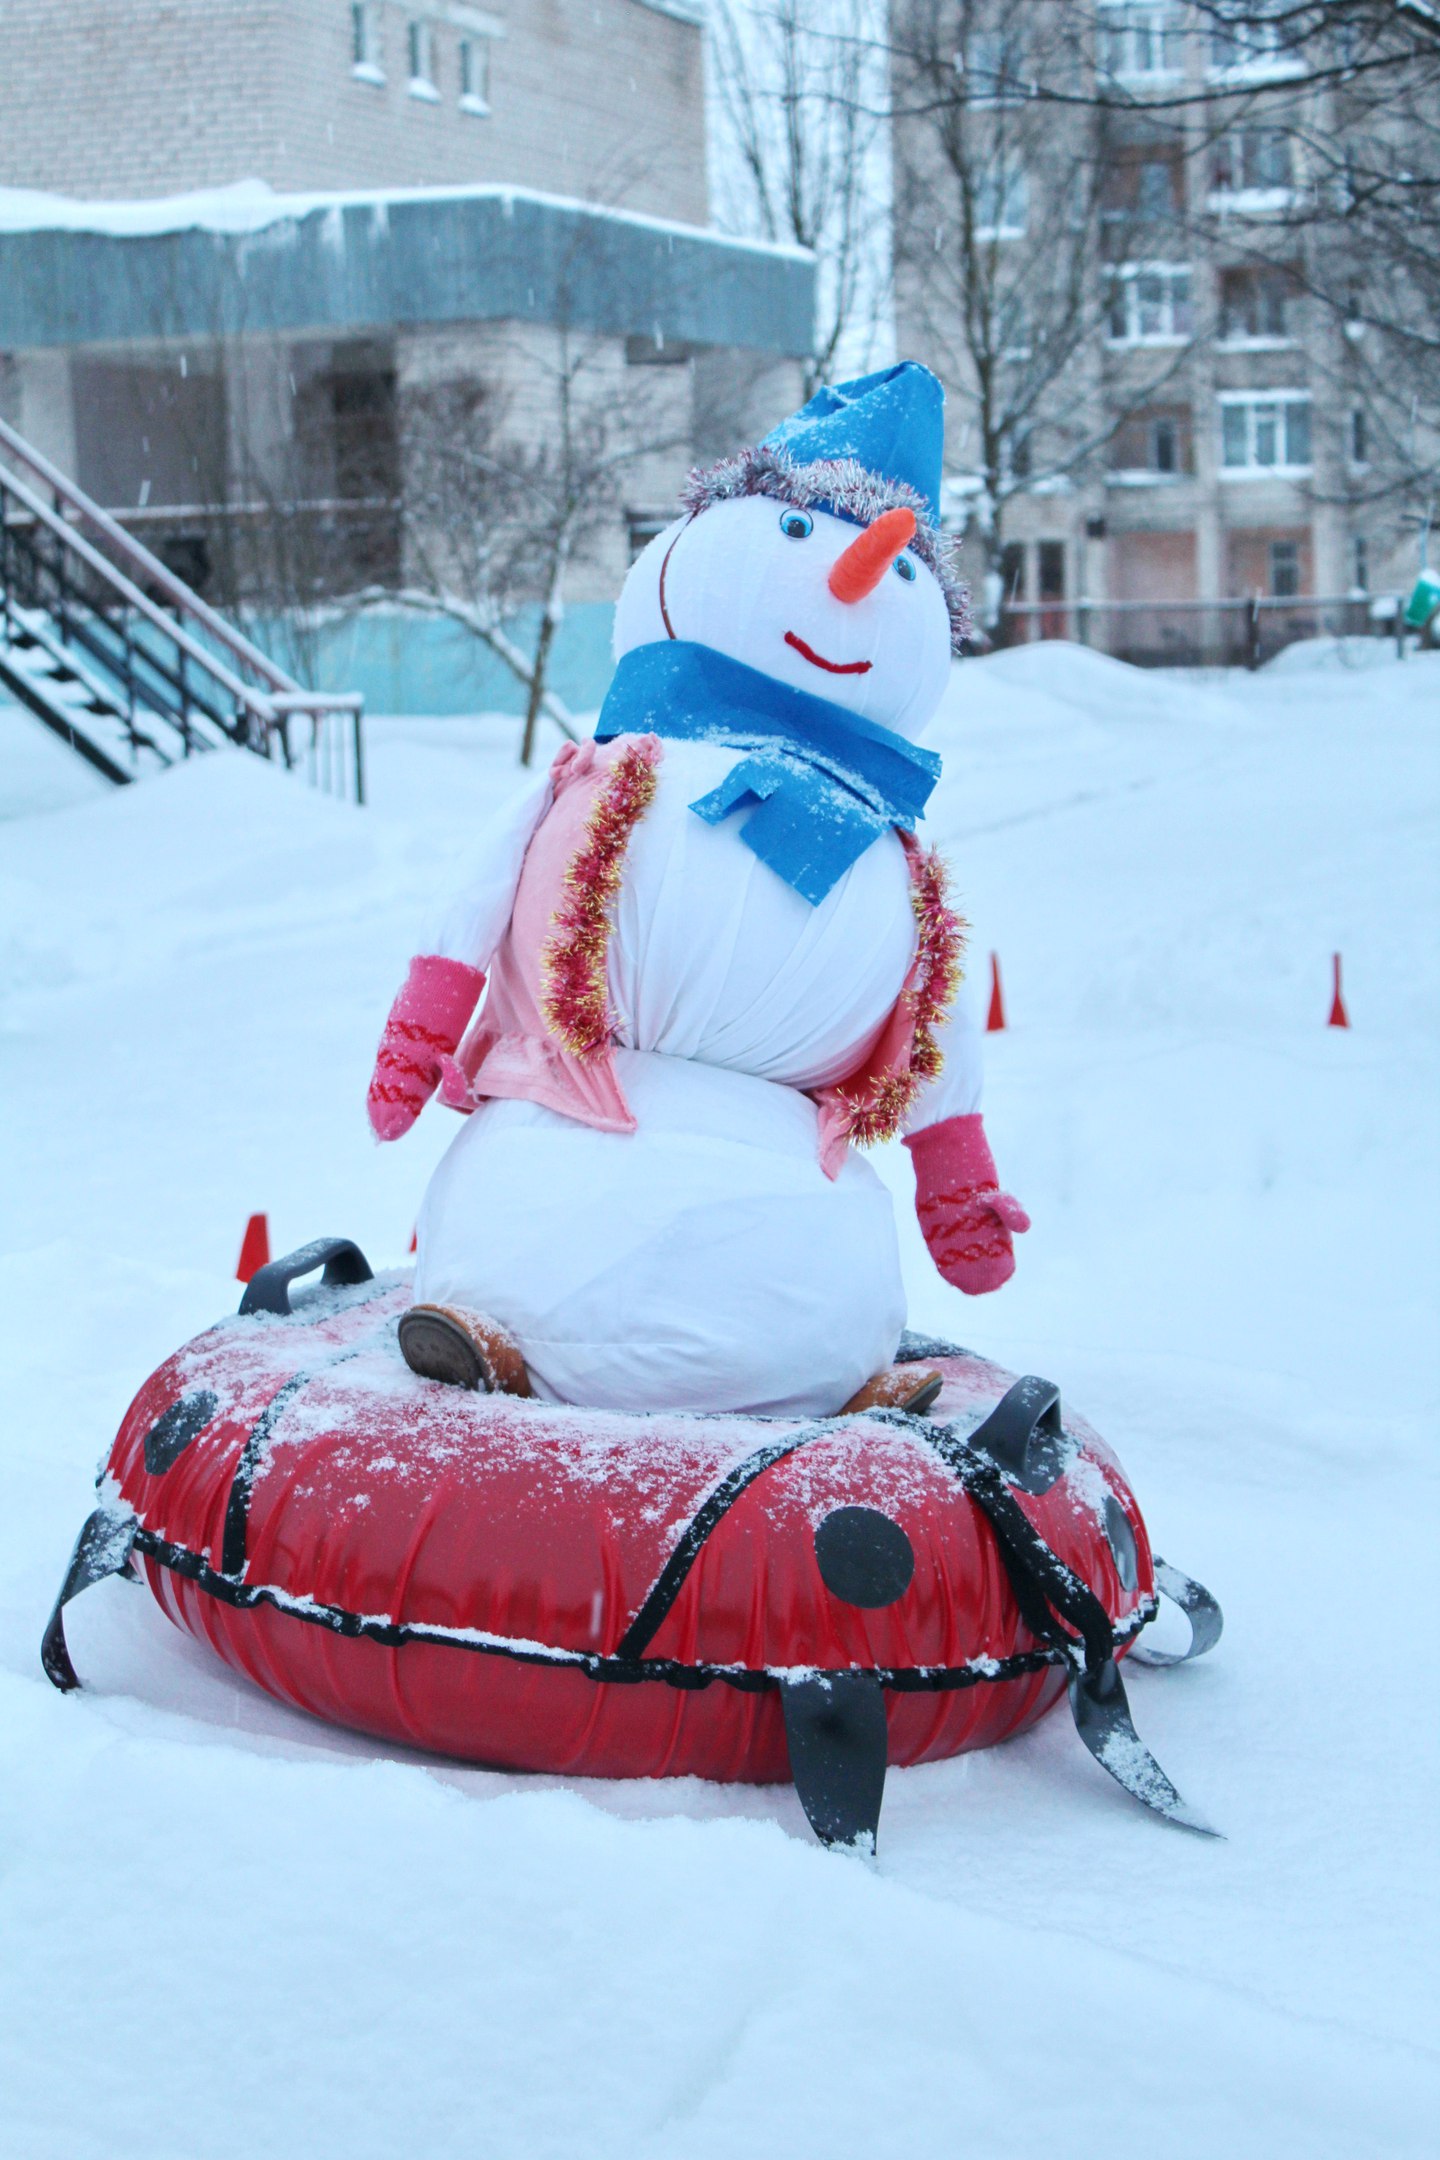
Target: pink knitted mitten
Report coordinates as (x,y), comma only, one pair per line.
(426,1022)
(966,1218)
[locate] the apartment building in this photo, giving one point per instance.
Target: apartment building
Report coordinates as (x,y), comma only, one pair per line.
(1178,420)
(251,249)
(602,99)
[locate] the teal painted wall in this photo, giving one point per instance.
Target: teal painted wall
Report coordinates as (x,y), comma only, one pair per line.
(412,664)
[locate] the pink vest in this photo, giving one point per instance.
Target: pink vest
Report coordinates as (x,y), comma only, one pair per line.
(545,1033)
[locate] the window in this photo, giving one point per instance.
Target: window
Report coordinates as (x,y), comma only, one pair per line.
(1138,40)
(643,526)
(365,48)
(346,423)
(1265,432)
(1050,563)
(1150,304)
(1150,187)
(1002,203)
(652,348)
(1284,568)
(1012,569)
(1155,189)
(1253,160)
(150,433)
(420,47)
(1254,306)
(475,75)
(1359,437)
(994,68)
(1013,326)
(1151,445)
(1361,563)
(1257,41)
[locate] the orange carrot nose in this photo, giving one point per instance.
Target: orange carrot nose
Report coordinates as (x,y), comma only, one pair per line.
(870,555)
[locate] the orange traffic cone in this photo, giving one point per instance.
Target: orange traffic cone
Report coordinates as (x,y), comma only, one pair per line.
(254,1248)
(1338,1015)
(996,1018)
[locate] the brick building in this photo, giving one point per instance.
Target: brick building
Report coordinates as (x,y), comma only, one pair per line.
(396,201)
(1188,424)
(120,98)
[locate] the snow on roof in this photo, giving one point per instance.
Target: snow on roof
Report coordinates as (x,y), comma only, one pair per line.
(250,206)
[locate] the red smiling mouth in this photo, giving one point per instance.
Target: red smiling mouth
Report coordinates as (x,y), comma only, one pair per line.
(831,667)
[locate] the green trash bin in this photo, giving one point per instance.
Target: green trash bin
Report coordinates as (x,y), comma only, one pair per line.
(1424,600)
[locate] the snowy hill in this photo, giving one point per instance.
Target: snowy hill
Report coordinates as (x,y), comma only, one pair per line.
(230,1930)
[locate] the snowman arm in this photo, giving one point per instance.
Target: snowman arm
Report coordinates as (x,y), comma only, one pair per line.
(956,1089)
(471,928)
(445,979)
(969,1224)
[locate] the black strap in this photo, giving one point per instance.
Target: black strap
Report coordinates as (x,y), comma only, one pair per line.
(243,1596)
(1044,1586)
(103,1548)
(1049,1593)
(247,1469)
(671,1579)
(1101,1712)
(1207,1622)
(838,1739)
(1054,1603)
(237,1506)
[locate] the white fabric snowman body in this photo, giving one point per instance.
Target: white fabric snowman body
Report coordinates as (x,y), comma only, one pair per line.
(705,1261)
(716,956)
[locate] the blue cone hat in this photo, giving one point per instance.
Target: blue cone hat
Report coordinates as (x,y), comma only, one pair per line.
(891,423)
(856,449)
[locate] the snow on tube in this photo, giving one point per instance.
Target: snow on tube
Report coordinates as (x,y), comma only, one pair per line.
(538,1587)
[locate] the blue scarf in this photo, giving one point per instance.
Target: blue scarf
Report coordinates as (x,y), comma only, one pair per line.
(821,784)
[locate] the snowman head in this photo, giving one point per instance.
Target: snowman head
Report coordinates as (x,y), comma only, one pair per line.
(816,559)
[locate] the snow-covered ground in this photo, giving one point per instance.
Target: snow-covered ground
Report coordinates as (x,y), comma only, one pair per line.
(228,1930)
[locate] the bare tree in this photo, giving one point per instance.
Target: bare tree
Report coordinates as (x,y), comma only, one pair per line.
(1041,161)
(1339,102)
(800,112)
(1357,93)
(1012,239)
(496,515)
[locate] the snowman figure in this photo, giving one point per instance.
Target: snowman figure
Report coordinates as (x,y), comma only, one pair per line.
(716,960)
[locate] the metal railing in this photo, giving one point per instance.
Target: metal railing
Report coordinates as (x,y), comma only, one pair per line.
(1198,633)
(170,666)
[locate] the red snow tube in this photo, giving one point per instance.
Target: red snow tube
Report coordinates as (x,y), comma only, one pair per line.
(546,1588)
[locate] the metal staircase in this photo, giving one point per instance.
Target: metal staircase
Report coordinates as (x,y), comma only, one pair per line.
(119,658)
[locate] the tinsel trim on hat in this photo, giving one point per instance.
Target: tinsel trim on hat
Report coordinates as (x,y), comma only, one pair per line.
(843,486)
(576,1000)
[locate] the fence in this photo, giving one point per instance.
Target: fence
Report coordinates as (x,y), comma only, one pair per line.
(1198,633)
(169,674)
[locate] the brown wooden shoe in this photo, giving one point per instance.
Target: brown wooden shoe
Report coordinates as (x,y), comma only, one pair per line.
(899,1387)
(443,1342)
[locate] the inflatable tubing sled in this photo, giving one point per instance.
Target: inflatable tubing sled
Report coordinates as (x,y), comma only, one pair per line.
(537,1587)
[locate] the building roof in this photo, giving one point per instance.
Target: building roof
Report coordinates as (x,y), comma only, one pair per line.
(244,261)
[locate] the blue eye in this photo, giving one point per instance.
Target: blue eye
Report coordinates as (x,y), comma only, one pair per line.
(796,524)
(905,568)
